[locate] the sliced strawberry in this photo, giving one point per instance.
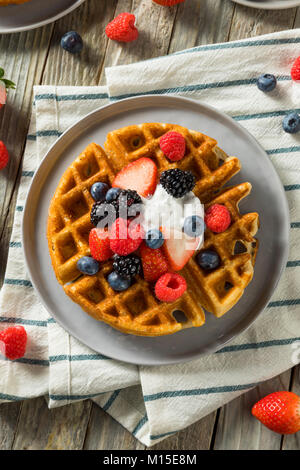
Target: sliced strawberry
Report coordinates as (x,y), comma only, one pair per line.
(140,175)
(2,95)
(100,244)
(178,247)
(154,263)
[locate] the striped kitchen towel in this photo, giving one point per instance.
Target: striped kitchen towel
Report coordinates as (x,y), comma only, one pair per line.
(155,402)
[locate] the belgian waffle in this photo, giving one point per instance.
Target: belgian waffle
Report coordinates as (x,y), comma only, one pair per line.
(137,311)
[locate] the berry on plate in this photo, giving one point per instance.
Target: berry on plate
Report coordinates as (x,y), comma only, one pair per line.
(173,145)
(177,182)
(88,265)
(154,238)
(100,244)
(4,86)
(279,411)
(154,263)
(125,236)
(122,28)
(266,82)
(117,282)
(168,3)
(127,266)
(140,176)
(217,218)
(13,342)
(170,287)
(98,191)
(291,123)
(4,156)
(72,42)
(178,248)
(208,260)
(193,226)
(295,70)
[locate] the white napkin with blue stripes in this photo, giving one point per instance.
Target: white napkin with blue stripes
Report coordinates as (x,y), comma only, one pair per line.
(155,402)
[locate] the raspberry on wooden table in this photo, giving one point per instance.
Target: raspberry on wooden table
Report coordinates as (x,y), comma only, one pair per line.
(122,28)
(4,155)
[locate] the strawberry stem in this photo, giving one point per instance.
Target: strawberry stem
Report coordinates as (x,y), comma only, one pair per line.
(8,83)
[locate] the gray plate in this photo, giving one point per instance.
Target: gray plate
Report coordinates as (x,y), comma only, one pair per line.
(269,4)
(267,198)
(31,15)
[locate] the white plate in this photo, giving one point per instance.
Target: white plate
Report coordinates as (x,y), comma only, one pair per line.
(267,198)
(36,13)
(269,4)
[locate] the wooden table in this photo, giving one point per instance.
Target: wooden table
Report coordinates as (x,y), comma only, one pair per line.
(36,58)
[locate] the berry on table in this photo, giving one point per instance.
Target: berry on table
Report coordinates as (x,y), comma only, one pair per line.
(208,260)
(112,194)
(100,244)
(127,266)
(3,95)
(154,238)
(72,42)
(122,28)
(217,218)
(194,226)
(98,191)
(13,342)
(291,123)
(177,182)
(125,237)
(5,84)
(117,282)
(140,176)
(88,265)
(4,155)
(168,3)
(154,263)
(173,145)
(279,411)
(266,82)
(295,70)
(170,287)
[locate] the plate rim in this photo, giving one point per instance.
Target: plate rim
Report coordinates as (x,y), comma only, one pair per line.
(151,99)
(265,6)
(39,24)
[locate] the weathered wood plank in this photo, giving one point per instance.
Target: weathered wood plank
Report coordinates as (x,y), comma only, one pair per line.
(238,430)
(292,441)
(9,413)
(104,433)
(57,429)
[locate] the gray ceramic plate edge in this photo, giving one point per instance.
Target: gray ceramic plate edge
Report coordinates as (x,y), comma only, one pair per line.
(37,24)
(269,5)
(122,351)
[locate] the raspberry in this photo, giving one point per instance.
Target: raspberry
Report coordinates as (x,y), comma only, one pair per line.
(4,156)
(173,145)
(217,218)
(170,287)
(168,3)
(122,28)
(295,70)
(125,236)
(154,263)
(13,342)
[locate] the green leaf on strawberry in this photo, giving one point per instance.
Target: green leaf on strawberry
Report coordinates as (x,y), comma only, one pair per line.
(8,83)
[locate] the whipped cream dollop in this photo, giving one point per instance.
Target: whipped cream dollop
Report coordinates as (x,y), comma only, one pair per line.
(164,210)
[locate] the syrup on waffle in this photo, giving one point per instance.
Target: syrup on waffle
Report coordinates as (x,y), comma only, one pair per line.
(137,310)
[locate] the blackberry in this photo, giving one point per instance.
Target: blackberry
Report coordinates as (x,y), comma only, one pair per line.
(118,207)
(103,209)
(127,266)
(177,182)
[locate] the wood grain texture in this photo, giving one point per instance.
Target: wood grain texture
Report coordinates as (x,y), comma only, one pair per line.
(36,57)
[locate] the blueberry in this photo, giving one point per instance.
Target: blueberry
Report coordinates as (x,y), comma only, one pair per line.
(72,42)
(193,226)
(266,82)
(118,282)
(98,191)
(154,239)
(88,265)
(208,260)
(112,194)
(291,123)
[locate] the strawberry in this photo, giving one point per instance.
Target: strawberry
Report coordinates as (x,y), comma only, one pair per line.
(295,70)
(13,342)
(99,244)
(125,236)
(4,86)
(140,176)
(154,263)
(178,247)
(122,28)
(279,411)
(170,287)
(2,95)
(168,3)
(4,156)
